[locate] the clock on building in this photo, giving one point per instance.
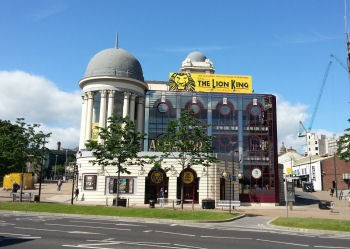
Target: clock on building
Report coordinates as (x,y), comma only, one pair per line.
(256,173)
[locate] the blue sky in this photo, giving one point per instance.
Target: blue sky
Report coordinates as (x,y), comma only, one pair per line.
(283,44)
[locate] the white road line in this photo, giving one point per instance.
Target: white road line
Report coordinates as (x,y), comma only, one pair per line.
(93,227)
(104,223)
(14,234)
(54,230)
(337,247)
(216,237)
(281,242)
(147,231)
(82,232)
(186,246)
(148,244)
(183,234)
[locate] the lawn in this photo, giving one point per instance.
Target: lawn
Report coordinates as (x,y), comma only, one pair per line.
(114,211)
(313,223)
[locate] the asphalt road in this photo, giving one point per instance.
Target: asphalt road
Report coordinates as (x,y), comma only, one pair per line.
(30,230)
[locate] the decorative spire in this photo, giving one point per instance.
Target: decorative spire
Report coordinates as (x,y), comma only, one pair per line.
(116,41)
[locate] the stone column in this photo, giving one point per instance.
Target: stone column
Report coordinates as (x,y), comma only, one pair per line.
(89,115)
(140,114)
(102,119)
(83,122)
(126,104)
(132,107)
(110,104)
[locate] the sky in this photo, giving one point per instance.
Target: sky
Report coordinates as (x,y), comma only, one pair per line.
(285,45)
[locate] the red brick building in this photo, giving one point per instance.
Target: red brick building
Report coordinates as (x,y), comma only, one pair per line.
(341,170)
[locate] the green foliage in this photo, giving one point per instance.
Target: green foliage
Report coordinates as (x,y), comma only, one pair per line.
(20,143)
(344,146)
(313,223)
(186,140)
(112,211)
(120,146)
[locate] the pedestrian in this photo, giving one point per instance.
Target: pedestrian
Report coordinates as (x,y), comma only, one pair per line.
(59,185)
(15,187)
(332,191)
(161,197)
(76,192)
(349,198)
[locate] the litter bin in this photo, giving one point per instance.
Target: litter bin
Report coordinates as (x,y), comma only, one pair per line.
(37,198)
(151,203)
(325,204)
(208,204)
(120,202)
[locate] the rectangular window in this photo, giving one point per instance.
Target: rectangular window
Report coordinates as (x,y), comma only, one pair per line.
(90,182)
(126,185)
(315,142)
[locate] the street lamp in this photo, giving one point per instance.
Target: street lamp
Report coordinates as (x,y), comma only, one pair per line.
(54,176)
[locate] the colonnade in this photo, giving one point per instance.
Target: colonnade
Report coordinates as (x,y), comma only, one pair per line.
(107,110)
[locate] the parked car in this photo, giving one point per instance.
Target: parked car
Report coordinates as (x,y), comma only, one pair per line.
(308,187)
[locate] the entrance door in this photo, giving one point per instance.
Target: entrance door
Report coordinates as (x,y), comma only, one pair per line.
(190,186)
(155,180)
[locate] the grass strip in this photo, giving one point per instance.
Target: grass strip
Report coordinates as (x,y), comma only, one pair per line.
(114,211)
(313,223)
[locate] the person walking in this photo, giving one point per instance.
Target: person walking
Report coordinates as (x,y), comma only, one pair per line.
(59,185)
(15,187)
(332,192)
(161,197)
(76,193)
(349,198)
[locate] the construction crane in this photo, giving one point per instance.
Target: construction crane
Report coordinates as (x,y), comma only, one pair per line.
(302,130)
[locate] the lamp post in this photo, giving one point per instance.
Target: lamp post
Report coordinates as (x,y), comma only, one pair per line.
(335,176)
(41,168)
(54,176)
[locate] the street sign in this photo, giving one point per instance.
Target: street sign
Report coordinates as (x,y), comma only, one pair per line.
(233,179)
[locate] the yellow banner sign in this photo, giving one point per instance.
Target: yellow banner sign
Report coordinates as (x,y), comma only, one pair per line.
(190,82)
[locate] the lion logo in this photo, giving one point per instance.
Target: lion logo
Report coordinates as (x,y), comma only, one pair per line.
(181,82)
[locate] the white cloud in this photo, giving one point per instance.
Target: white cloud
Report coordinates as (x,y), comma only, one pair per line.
(288,117)
(38,100)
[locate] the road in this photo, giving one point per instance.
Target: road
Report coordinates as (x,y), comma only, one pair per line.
(39,231)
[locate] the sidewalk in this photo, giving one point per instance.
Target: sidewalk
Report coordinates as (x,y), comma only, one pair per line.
(341,210)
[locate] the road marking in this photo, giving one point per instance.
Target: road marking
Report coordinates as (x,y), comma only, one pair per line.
(15,234)
(104,223)
(147,231)
(54,230)
(186,246)
(144,244)
(82,232)
(93,227)
(183,234)
(216,237)
(281,242)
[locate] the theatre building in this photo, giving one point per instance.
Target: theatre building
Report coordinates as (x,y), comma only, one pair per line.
(243,126)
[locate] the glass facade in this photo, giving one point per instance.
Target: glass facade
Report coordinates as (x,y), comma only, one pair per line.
(243,127)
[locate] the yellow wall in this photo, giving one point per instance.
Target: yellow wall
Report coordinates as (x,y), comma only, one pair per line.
(27,179)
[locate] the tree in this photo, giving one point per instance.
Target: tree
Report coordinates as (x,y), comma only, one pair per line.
(186,141)
(119,148)
(20,143)
(343,150)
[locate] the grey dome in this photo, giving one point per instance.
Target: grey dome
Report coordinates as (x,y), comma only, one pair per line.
(114,62)
(196,56)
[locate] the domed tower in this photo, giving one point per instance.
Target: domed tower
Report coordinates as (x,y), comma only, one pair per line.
(197,62)
(113,84)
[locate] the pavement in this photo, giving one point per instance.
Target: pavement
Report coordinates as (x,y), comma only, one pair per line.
(306,205)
